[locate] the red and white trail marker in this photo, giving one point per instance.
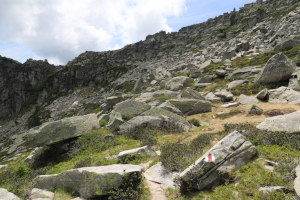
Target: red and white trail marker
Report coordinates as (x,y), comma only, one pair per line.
(210,158)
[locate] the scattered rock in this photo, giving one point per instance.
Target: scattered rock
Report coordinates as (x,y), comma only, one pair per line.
(205,79)
(244,73)
(224,94)
(129,109)
(220,73)
(283,95)
(57,131)
(255,110)
(263,95)
(202,85)
(6,195)
(91,182)
(157,112)
(212,168)
(158,174)
(32,161)
(267,189)
(188,93)
(139,124)
(278,68)
(148,96)
(142,150)
(3,166)
(191,106)
(230,105)
(115,121)
(38,194)
(288,44)
(179,83)
(235,84)
(287,123)
(212,97)
(170,107)
(243,99)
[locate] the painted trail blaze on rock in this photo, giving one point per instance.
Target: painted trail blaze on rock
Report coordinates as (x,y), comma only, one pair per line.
(210,158)
(213,167)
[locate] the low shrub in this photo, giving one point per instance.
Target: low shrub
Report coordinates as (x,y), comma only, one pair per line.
(103,123)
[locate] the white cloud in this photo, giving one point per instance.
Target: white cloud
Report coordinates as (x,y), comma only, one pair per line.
(59,30)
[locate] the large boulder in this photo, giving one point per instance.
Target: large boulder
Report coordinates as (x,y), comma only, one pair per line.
(170,107)
(288,43)
(178,83)
(244,99)
(286,123)
(157,112)
(140,124)
(91,182)
(283,95)
(297,181)
(225,95)
(212,168)
(188,93)
(235,84)
(160,94)
(57,131)
(115,121)
(263,94)
(129,109)
(6,195)
(191,106)
(244,73)
(212,97)
(278,68)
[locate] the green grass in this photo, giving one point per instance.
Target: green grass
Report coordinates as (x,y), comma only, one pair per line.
(176,157)
(60,194)
(263,58)
(217,84)
(94,147)
(128,87)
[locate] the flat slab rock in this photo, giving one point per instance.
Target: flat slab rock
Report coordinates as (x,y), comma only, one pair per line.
(283,95)
(286,123)
(53,132)
(212,168)
(38,194)
(243,99)
(6,195)
(158,174)
(141,150)
(90,182)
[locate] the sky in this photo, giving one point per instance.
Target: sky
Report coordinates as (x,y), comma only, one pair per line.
(59,30)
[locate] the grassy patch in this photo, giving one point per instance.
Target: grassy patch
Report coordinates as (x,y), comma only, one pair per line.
(103,122)
(61,194)
(128,87)
(263,58)
(176,157)
(218,83)
(94,148)
(228,114)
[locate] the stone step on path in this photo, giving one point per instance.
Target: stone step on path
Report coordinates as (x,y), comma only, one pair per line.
(156,191)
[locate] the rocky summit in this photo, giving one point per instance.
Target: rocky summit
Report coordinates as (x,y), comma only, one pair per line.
(209,112)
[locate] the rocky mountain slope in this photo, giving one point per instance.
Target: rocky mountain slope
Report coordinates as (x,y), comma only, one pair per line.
(157,109)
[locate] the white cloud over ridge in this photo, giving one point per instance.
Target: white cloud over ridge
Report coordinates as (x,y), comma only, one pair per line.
(59,30)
